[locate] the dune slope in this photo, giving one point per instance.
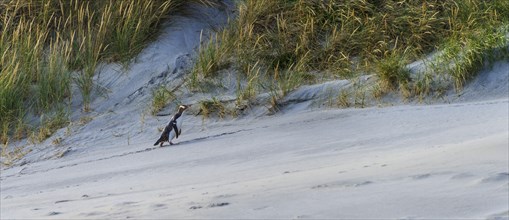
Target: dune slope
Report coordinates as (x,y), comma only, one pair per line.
(437,161)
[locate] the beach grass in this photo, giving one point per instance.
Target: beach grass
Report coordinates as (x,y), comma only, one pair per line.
(345,39)
(46,47)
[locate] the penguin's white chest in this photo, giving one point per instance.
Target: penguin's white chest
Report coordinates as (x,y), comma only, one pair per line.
(179,126)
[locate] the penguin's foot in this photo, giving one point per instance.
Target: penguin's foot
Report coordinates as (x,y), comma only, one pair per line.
(171,143)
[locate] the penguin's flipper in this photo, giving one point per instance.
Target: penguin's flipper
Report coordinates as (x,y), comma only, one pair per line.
(176,130)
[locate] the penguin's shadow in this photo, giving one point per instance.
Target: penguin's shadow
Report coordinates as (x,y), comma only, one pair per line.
(202,138)
(169,145)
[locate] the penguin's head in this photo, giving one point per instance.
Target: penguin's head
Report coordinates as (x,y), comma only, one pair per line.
(183,107)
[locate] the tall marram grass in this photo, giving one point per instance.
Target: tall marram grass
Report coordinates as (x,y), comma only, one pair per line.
(45,46)
(464,55)
(341,39)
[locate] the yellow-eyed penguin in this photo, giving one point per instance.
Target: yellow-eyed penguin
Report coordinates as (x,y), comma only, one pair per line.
(174,128)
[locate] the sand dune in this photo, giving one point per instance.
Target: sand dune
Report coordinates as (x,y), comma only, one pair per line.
(444,160)
(437,161)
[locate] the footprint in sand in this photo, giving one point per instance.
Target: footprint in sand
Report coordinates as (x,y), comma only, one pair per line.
(342,185)
(420,176)
(320,186)
(62,201)
(224,196)
(212,205)
(291,171)
(128,203)
(196,207)
(261,208)
(159,206)
(54,213)
(496,178)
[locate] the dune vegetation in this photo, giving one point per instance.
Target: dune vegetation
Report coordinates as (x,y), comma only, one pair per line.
(280,45)
(47,47)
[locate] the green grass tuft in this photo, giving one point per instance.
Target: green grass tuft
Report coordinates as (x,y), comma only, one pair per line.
(213,107)
(161,97)
(392,73)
